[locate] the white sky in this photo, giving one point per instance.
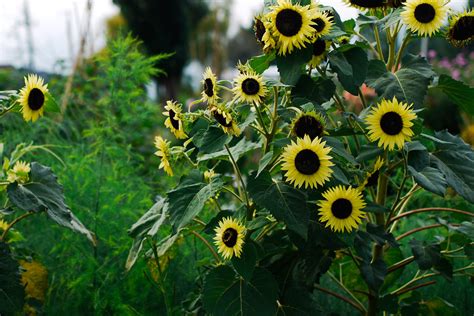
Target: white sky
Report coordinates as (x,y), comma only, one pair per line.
(50,19)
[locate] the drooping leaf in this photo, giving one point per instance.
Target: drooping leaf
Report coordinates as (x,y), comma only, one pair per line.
(374,273)
(284,202)
(429,256)
(437,306)
(266,159)
(12,292)
(262,62)
(211,139)
(225,294)
(44,193)
(429,179)
(380,236)
(291,66)
(237,151)
(351,67)
(317,90)
(51,104)
(189,197)
(458,92)
(245,265)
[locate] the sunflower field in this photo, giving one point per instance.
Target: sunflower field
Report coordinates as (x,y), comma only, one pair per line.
(320,190)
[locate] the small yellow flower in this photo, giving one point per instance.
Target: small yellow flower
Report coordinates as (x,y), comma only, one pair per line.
(33,97)
(229,238)
(468,134)
(341,208)
(35,279)
(225,120)
(372,177)
(19,173)
(3,225)
(210,88)
(163,152)
(390,123)
(174,120)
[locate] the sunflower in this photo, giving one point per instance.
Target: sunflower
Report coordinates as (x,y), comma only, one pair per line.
(424,17)
(461,29)
(249,87)
(366,4)
(372,177)
(291,25)
(341,208)
(307,162)
(33,97)
(163,152)
(209,82)
(225,120)
(390,123)
(322,24)
(263,35)
(320,50)
(310,123)
(229,238)
(343,40)
(19,173)
(174,121)
(3,225)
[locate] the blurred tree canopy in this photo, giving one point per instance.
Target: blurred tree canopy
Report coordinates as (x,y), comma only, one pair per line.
(165,27)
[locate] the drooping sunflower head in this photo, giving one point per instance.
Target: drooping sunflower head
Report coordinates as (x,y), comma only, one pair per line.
(229,237)
(366,4)
(164,153)
(249,87)
(224,118)
(461,29)
(343,40)
(307,162)
(341,208)
(174,120)
(210,89)
(320,51)
(322,24)
(390,123)
(19,173)
(424,17)
(372,177)
(291,25)
(33,97)
(310,123)
(263,35)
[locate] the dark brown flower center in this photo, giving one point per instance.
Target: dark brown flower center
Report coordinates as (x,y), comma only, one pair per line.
(229,237)
(373,179)
(259,29)
(319,24)
(174,122)
(250,86)
(288,22)
(425,13)
(221,119)
(391,123)
(463,29)
(368,3)
(341,208)
(307,162)
(35,99)
(319,47)
(308,125)
(208,87)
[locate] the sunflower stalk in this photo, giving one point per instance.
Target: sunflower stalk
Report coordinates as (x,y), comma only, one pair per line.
(12,223)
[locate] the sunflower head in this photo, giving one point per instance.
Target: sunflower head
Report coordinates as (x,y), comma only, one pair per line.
(343,40)
(307,162)
(210,89)
(424,17)
(322,24)
(19,173)
(229,237)
(372,177)
(341,208)
(320,51)
(33,97)
(366,4)
(164,153)
(225,120)
(461,29)
(249,87)
(291,25)
(310,123)
(174,120)
(390,123)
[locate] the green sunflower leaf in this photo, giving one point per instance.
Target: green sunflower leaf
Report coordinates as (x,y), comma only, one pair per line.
(429,256)
(374,273)
(409,84)
(291,66)
(51,104)
(12,292)
(266,159)
(317,90)
(262,62)
(225,294)
(458,92)
(245,265)
(189,197)
(284,202)
(44,193)
(237,151)
(351,67)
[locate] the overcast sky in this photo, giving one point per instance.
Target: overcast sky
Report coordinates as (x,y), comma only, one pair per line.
(50,20)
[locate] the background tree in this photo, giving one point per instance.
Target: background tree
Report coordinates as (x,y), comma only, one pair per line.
(164,27)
